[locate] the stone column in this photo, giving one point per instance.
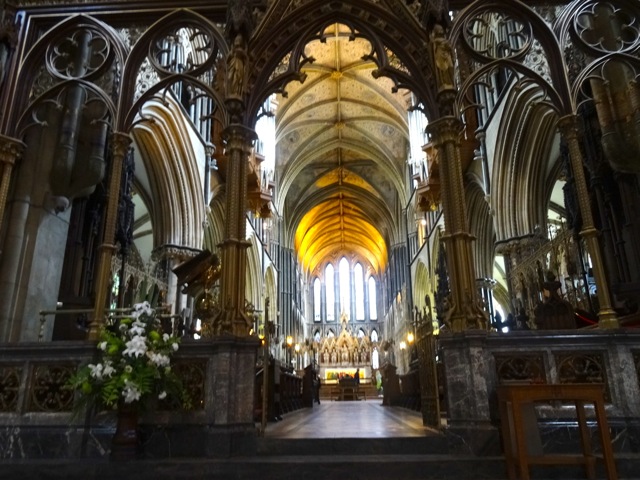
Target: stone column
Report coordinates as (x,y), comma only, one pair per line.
(232,369)
(464,310)
(234,247)
(120,144)
(569,130)
(238,141)
(10,151)
(470,386)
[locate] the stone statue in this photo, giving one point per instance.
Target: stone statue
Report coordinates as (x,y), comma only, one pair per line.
(325,357)
(236,65)
(345,354)
(442,58)
(334,356)
(448,308)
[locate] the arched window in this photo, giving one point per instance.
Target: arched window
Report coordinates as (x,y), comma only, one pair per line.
(329,284)
(373,310)
(317,337)
(361,333)
(346,292)
(331,333)
(358,279)
(374,336)
(345,286)
(316,300)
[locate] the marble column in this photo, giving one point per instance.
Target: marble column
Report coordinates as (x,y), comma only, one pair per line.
(607,315)
(470,391)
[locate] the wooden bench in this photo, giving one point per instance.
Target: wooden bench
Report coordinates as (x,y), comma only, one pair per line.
(516,401)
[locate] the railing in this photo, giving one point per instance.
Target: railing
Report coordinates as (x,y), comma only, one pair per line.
(113,314)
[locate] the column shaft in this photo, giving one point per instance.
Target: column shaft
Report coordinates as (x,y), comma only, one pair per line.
(10,151)
(569,129)
(234,247)
(464,310)
(120,145)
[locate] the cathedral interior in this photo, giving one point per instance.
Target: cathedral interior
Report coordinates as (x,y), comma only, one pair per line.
(429,194)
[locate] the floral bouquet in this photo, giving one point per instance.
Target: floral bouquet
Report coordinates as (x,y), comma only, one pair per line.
(134,363)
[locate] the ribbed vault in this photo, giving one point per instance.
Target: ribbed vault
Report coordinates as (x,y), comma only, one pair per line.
(342,140)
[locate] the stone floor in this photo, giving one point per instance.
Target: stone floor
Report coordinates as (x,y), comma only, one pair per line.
(361,419)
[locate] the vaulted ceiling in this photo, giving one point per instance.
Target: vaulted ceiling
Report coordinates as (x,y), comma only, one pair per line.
(342,141)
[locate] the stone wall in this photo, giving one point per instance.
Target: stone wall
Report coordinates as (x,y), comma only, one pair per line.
(476,362)
(37,417)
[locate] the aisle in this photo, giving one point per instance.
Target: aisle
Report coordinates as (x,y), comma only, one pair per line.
(363,419)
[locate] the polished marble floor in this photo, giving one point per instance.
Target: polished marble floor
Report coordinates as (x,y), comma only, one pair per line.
(362,419)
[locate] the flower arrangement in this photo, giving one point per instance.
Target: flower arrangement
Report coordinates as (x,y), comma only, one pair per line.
(134,363)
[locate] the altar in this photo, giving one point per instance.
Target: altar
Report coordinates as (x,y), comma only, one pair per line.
(340,357)
(331,375)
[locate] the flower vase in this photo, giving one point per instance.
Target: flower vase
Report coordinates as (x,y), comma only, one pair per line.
(124,444)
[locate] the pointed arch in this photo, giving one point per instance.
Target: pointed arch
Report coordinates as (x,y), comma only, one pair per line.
(398,33)
(271,291)
(207,46)
(422,285)
(213,234)
(254,275)
(481,227)
(172,179)
(39,62)
(524,156)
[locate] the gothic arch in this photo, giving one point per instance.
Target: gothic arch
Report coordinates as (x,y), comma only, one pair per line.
(253,275)
(401,33)
(534,27)
(40,61)
(480,226)
(289,174)
(145,76)
(422,285)
(175,184)
(271,292)
(213,233)
(522,163)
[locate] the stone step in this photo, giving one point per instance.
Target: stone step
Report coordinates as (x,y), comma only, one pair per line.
(292,467)
(430,445)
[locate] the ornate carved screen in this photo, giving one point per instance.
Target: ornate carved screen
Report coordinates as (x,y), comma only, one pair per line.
(426,345)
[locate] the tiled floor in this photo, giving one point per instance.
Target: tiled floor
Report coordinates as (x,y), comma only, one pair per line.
(363,419)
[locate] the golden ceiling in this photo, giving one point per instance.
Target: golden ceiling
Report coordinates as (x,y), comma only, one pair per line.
(342,141)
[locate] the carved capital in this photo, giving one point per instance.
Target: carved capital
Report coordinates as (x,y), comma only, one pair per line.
(239,137)
(445,130)
(10,150)
(568,126)
(120,143)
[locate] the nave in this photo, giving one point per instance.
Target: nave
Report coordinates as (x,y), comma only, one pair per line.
(361,419)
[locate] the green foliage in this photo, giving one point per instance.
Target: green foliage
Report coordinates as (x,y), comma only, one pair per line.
(134,365)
